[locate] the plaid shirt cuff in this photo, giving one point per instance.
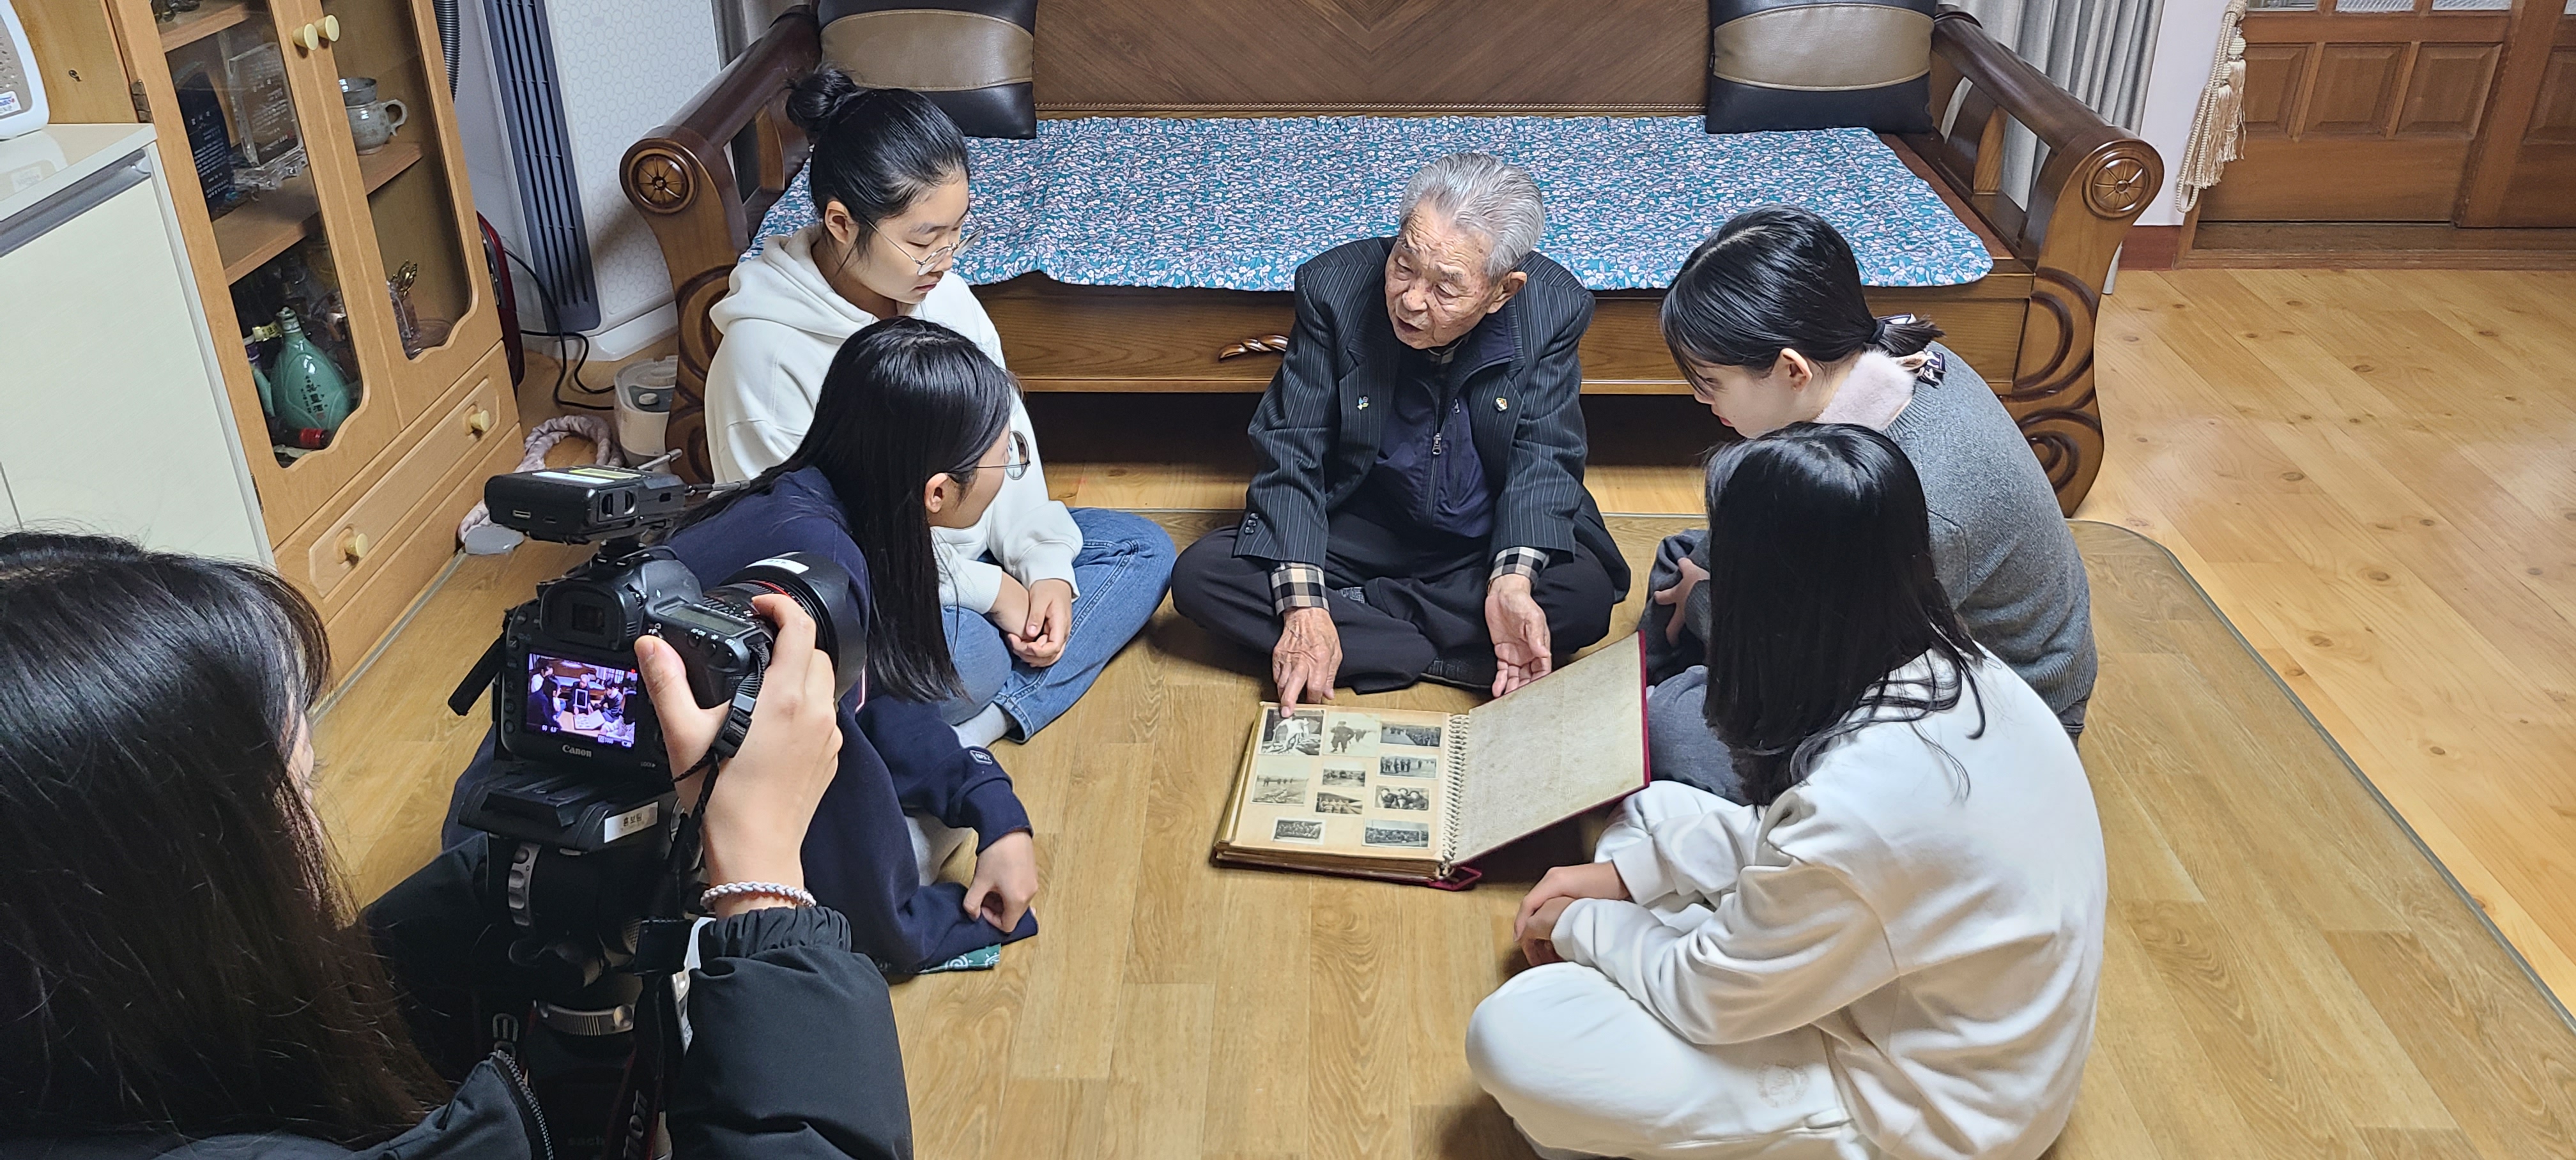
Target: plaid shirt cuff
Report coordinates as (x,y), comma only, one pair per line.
(1294,586)
(1524,562)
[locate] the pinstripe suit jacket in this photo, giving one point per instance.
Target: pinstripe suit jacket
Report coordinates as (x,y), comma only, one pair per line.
(1317,429)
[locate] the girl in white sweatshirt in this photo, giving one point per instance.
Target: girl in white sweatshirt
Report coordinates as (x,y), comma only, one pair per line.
(1894,951)
(1037,598)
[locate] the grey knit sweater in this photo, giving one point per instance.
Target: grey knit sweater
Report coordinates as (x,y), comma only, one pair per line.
(2003,552)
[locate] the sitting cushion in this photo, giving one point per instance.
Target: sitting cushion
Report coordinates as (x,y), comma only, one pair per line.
(1789,64)
(1239,203)
(972,58)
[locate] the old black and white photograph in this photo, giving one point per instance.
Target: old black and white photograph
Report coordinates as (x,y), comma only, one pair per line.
(1345,775)
(1278,791)
(1426,736)
(1394,798)
(1404,835)
(1351,734)
(1298,732)
(1297,830)
(1424,767)
(1333,803)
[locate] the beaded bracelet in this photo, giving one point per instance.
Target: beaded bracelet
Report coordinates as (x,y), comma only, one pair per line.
(778,890)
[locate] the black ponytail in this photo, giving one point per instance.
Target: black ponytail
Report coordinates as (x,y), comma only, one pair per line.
(876,151)
(1821,575)
(1774,279)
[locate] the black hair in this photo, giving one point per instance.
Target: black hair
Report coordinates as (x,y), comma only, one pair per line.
(904,400)
(1821,587)
(176,951)
(1772,279)
(876,151)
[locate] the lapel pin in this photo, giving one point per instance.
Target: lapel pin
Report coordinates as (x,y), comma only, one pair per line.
(1363,403)
(1502,405)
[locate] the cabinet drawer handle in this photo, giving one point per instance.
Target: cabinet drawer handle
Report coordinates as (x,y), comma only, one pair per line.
(308,38)
(355,545)
(478,422)
(331,29)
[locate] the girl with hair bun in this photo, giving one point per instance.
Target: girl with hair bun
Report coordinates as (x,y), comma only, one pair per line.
(1036,598)
(1769,322)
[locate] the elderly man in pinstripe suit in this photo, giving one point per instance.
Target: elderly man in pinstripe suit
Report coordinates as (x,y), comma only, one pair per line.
(1419,510)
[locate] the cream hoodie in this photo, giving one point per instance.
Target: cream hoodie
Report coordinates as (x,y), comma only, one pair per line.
(782,323)
(1945,934)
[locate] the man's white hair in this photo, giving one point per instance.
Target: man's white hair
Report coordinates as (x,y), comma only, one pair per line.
(1484,194)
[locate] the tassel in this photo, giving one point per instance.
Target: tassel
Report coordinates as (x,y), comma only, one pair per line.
(2218,127)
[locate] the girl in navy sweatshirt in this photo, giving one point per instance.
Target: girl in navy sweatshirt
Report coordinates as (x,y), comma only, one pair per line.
(911,432)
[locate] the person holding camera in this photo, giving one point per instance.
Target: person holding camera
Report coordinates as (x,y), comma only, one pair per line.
(179,972)
(912,433)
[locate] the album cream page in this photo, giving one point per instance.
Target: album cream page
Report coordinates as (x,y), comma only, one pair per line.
(1347,782)
(1553,748)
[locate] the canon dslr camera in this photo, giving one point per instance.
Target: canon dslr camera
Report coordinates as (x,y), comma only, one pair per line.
(584,752)
(590,868)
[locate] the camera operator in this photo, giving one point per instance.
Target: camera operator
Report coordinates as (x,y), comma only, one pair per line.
(177,963)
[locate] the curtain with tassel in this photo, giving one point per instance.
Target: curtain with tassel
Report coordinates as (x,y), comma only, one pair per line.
(2218,128)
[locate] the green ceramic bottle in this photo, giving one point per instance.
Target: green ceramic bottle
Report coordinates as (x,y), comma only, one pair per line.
(309,389)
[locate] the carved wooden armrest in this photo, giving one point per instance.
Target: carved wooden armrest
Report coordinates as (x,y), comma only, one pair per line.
(681,178)
(2098,177)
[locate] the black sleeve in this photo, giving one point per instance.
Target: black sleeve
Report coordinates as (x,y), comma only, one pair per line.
(1543,486)
(1292,430)
(793,1051)
(439,940)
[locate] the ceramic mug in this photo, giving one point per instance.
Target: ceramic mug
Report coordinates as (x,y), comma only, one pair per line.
(371,122)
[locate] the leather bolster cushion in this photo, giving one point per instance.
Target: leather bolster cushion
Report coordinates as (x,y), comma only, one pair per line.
(1798,64)
(972,58)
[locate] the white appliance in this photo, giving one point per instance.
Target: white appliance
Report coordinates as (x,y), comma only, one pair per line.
(116,418)
(549,93)
(22,88)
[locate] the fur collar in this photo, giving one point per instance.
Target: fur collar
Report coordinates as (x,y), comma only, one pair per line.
(1876,391)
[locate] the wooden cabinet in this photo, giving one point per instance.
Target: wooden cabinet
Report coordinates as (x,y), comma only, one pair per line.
(376,252)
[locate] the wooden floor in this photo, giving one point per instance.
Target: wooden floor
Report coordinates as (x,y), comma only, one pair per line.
(2374,474)
(2370,472)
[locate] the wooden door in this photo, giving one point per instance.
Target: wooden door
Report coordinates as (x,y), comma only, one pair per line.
(2524,171)
(2362,110)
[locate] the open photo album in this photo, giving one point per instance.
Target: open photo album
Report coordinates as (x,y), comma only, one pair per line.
(1409,795)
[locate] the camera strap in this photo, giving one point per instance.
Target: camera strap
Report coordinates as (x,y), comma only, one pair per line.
(737,722)
(478,680)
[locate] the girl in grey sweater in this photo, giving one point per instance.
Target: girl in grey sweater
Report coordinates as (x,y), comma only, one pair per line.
(1768,321)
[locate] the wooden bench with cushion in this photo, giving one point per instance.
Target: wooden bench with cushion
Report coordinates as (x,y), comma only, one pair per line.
(705,182)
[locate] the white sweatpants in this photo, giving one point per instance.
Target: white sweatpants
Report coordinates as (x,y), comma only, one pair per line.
(1585,1070)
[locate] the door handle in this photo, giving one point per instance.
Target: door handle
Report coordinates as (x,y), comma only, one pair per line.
(331,29)
(307,38)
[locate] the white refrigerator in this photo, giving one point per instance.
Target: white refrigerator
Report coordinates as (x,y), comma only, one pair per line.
(113,416)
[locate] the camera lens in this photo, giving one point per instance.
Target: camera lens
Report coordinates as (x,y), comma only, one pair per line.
(826,593)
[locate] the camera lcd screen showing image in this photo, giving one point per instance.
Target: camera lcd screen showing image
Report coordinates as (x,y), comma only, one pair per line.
(571,698)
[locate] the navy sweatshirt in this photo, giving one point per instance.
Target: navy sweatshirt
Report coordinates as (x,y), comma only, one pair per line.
(897,757)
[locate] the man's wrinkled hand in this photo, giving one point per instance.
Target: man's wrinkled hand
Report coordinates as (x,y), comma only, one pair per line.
(1307,657)
(1519,629)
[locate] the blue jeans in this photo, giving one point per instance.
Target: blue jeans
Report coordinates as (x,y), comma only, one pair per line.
(1121,572)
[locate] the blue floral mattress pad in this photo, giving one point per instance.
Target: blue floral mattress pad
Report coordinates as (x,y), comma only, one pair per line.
(1239,204)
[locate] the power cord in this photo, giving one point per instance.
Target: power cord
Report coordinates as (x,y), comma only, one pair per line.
(554,318)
